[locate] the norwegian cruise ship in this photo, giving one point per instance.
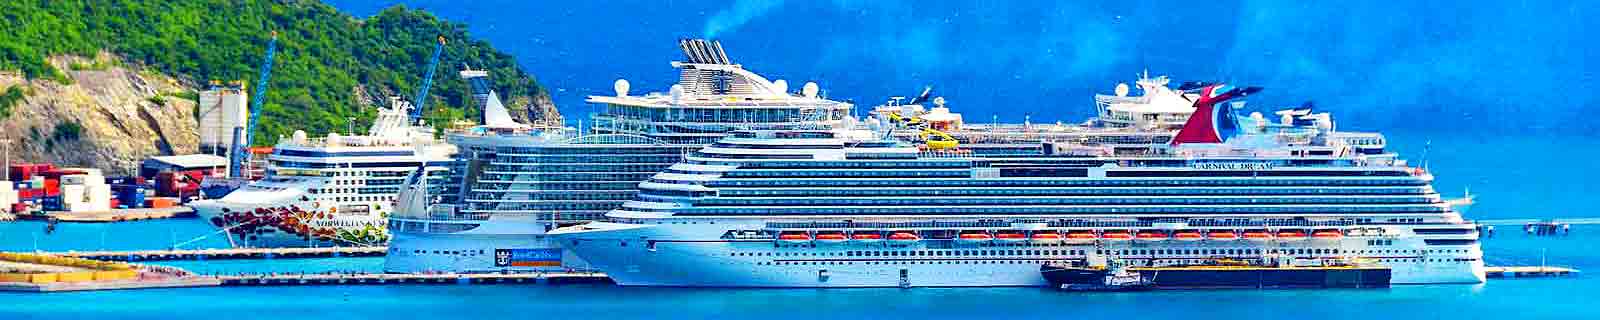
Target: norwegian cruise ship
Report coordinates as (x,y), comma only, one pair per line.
(517,182)
(842,208)
(337,190)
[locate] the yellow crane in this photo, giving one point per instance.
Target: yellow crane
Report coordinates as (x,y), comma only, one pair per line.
(938,140)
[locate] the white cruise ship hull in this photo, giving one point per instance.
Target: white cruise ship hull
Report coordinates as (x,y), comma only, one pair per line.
(287,222)
(678,255)
(500,244)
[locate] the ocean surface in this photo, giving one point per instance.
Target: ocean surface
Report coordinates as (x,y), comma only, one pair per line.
(1525,188)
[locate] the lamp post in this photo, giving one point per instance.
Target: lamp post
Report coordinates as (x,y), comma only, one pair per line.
(7,144)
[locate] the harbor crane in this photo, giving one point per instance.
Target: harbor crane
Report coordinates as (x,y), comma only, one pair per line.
(242,135)
(427,82)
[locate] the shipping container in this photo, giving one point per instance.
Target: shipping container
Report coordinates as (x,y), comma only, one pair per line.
(21,172)
(161,202)
(132,195)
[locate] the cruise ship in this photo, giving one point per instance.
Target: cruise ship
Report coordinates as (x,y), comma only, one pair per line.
(517,182)
(847,208)
(332,191)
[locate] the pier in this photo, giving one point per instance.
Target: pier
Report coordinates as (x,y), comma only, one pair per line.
(116,215)
(227,254)
(1528,272)
(390,279)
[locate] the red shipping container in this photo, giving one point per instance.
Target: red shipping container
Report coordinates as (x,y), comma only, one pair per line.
(52,187)
(21,172)
(114,203)
(18,207)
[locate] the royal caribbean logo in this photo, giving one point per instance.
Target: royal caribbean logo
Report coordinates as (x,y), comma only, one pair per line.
(527,257)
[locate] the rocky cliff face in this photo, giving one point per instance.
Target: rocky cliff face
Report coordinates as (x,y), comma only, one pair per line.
(538,110)
(109,116)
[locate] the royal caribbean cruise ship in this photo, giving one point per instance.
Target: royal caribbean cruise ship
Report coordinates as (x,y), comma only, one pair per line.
(517,182)
(337,190)
(847,208)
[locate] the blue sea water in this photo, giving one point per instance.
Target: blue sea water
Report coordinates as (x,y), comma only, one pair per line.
(1491,96)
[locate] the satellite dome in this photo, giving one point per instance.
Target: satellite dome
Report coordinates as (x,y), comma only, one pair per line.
(676,92)
(809,90)
(621,86)
(938,101)
(781,86)
(1122,90)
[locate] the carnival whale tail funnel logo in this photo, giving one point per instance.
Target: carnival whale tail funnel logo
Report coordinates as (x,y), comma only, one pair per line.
(1207,124)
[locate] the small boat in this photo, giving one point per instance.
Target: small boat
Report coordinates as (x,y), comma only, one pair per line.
(1082,236)
(1222,235)
(1010,236)
(794,237)
(831,237)
(904,237)
(1116,235)
(1049,237)
(974,237)
(1327,234)
(1290,235)
(1188,235)
(1257,235)
(1094,278)
(867,237)
(1150,235)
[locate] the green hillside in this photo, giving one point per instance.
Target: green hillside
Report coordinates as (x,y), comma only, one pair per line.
(323,54)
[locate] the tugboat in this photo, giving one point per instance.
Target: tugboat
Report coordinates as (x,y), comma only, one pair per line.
(1091,277)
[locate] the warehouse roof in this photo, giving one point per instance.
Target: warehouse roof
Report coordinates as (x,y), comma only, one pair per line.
(190,161)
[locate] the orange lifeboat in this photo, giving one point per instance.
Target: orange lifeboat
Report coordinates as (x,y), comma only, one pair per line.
(1188,235)
(867,237)
(1082,236)
(979,236)
(831,237)
(1010,236)
(904,237)
(1048,237)
(1222,235)
(1150,235)
(1327,234)
(1257,235)
(1290,235)
(794,237)
(1116,235)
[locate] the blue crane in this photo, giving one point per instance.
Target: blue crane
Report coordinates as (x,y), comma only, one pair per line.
(242,136)
(427,82)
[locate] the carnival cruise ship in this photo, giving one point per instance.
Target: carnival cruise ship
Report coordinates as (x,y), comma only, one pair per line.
(517,182)
(843,208)
(333,191)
